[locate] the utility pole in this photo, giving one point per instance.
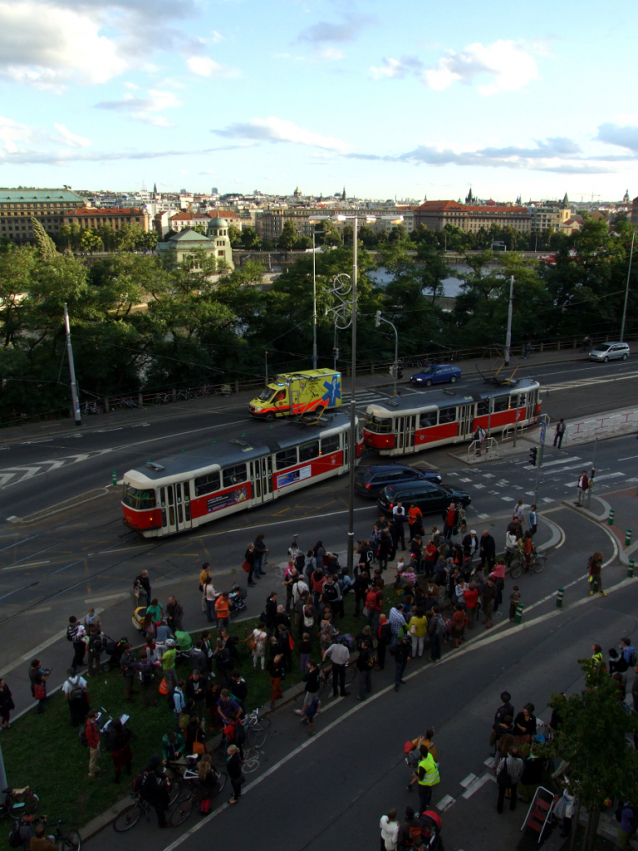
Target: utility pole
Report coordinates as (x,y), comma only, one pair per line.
(395,369)
(266,354)
(508,336)
(314,300)
(74,385)
(541,438)
(353,402)
(624,312)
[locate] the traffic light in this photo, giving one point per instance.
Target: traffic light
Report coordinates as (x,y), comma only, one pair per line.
(393,370)
(533,452)
(377,319)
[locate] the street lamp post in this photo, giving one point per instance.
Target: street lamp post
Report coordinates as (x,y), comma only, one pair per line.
(508,336)
(379,319)
(314,299)
(624,312)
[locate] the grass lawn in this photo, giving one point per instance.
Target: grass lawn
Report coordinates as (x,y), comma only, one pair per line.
(44,752)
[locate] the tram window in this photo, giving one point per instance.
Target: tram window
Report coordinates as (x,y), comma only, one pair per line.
(140,499)
(330,444)
(234,475)
(286,458)
(206,484)
(428,418)
(483,408)
(501,403)
(514,401)
(447,415)
(380,425)
(187,492)
(308,451)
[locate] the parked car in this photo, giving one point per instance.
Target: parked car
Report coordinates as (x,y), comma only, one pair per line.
(370,481)
(431,498)
(442,373)
(609,351)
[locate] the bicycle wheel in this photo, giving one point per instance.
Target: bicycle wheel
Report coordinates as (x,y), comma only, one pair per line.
(128,818)
(516,569)
(174,788)
(71,841)
(222,780)
(182,809)
(263,722)
(256,737)
(538,565)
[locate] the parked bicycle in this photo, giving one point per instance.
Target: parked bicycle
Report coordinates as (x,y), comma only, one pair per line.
(19,802)
(91,408)
(194,794)
(130,816)
(537,562)
(255,727)
(66,840)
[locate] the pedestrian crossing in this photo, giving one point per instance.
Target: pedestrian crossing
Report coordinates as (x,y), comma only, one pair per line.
(14,475)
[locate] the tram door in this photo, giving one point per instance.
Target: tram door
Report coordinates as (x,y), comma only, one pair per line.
(175,501)
(405,433)
(261,479)
(465,419)
(530,408)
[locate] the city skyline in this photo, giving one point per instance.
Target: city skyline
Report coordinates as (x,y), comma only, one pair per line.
(410,102)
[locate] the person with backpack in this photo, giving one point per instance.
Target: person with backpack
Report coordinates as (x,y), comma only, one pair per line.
(92,735)
(401,653)
(410,833)
(437,629)
(22,832)
(75,633)
(74,689)
(627,819)
(152,786)
(96,646)
(146,676)
(508,773)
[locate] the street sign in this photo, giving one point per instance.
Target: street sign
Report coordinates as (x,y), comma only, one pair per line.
(542,434)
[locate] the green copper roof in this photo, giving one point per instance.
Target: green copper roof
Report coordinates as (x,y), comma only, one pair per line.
(188,235)
(39,195)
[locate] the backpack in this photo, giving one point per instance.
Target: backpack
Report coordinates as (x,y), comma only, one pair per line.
(146,675)
(14,835)
(633,659)
(416,835)
(503,778)
(76,691)
(97,645)
(441,627)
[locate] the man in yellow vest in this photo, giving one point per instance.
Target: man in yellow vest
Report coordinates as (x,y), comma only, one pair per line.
(428,776)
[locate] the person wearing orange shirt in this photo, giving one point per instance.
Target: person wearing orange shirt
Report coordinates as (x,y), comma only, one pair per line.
(222,611)
(415,518)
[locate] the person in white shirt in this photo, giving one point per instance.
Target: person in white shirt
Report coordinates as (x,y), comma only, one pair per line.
(389,827)
(511,545)
(519,511)
(258,646)
(74,689)
(339,655)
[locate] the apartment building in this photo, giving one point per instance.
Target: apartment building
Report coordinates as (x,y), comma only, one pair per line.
(49,206)
(96,217)
(471,218)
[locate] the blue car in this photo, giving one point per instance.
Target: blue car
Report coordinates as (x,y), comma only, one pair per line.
(442,373)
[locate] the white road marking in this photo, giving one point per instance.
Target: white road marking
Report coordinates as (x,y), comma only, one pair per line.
(484,516)
(608,476)
(480,781)
(628,458)
(506,498)
(479,487)
(445,803)
(547,499)
(31,564)
(467,781)
(562,461)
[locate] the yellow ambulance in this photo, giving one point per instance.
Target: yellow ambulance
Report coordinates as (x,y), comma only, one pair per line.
(295,393)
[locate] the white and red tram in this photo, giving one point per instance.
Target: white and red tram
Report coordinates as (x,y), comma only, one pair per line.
(185,491)
(422,420)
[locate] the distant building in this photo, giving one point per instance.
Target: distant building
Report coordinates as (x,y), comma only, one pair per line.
(48,206)
(435,215)
(115,217)
(216,243)
(634,212)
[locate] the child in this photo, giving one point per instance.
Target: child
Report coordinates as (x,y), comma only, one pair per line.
(309,711)
(515,596)
(305,649)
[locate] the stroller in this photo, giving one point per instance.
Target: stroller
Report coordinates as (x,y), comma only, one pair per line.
(237,599)
(138,618)
(113,650)
(431,830)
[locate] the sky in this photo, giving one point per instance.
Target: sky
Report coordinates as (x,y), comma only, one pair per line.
(411,99)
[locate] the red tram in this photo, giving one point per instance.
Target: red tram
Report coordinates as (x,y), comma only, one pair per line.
(185,491)
(416,422)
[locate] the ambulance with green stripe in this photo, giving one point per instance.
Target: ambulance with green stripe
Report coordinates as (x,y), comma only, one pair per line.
(295,393)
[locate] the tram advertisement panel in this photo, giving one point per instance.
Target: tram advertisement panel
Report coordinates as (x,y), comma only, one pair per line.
(294,476)
(226,499)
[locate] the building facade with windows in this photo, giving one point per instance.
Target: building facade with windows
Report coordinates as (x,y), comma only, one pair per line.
(49,206)
(96,217)
(470,218)
(215,243)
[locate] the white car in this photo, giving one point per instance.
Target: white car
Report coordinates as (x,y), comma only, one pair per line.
(610,351)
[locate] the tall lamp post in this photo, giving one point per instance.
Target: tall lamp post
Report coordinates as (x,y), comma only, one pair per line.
(314,297)
(624,312)
(378,320)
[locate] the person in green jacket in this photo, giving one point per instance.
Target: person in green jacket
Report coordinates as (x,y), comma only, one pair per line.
(173,746)
(168,663)
(427,775)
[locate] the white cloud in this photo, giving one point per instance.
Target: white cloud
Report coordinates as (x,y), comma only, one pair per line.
(216,37)
(279,130)
(509,66)
(70,138)
(14,135)
(46,45)
(204,66)
(144,109)
(331,54)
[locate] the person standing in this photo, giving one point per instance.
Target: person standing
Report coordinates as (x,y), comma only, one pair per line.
(209,600)
(418,628)
(339,655)
(532,519)
(249,559)
(450,518)
(260,554)
(222,611)
(508,773)
(559,433)
(74,690)
(119,738)
(436,630)
(519,512)
(204,575)
(174,614)
(95,649)
(488,597)
(427,775)
(595,568)
(581,488)
(415,520)
(397,624)
(145,583)
(401,653)
(365,663)
(233,769)
(38,677)
(389,827)
(398,526)
(6,705)
(127,667)
(93,741)
(276,672)
(487,550)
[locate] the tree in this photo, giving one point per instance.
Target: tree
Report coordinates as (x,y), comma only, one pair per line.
(250,239)
(43,243)
(90,241)
(288,236)
(234,235)
(592,738)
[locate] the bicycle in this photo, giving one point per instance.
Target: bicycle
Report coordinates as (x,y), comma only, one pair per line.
(255,727)
(537,562)
(19,802)
(67,841)
(194,795)
(130,816)
(162,398)
(325,678)
(91,408)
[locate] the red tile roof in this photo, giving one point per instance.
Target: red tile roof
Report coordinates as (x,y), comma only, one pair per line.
(454,206)
(107,211)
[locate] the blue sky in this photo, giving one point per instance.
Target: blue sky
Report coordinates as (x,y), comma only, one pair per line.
(406,99)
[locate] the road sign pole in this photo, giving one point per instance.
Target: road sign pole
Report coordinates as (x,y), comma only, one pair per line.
(541,438)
